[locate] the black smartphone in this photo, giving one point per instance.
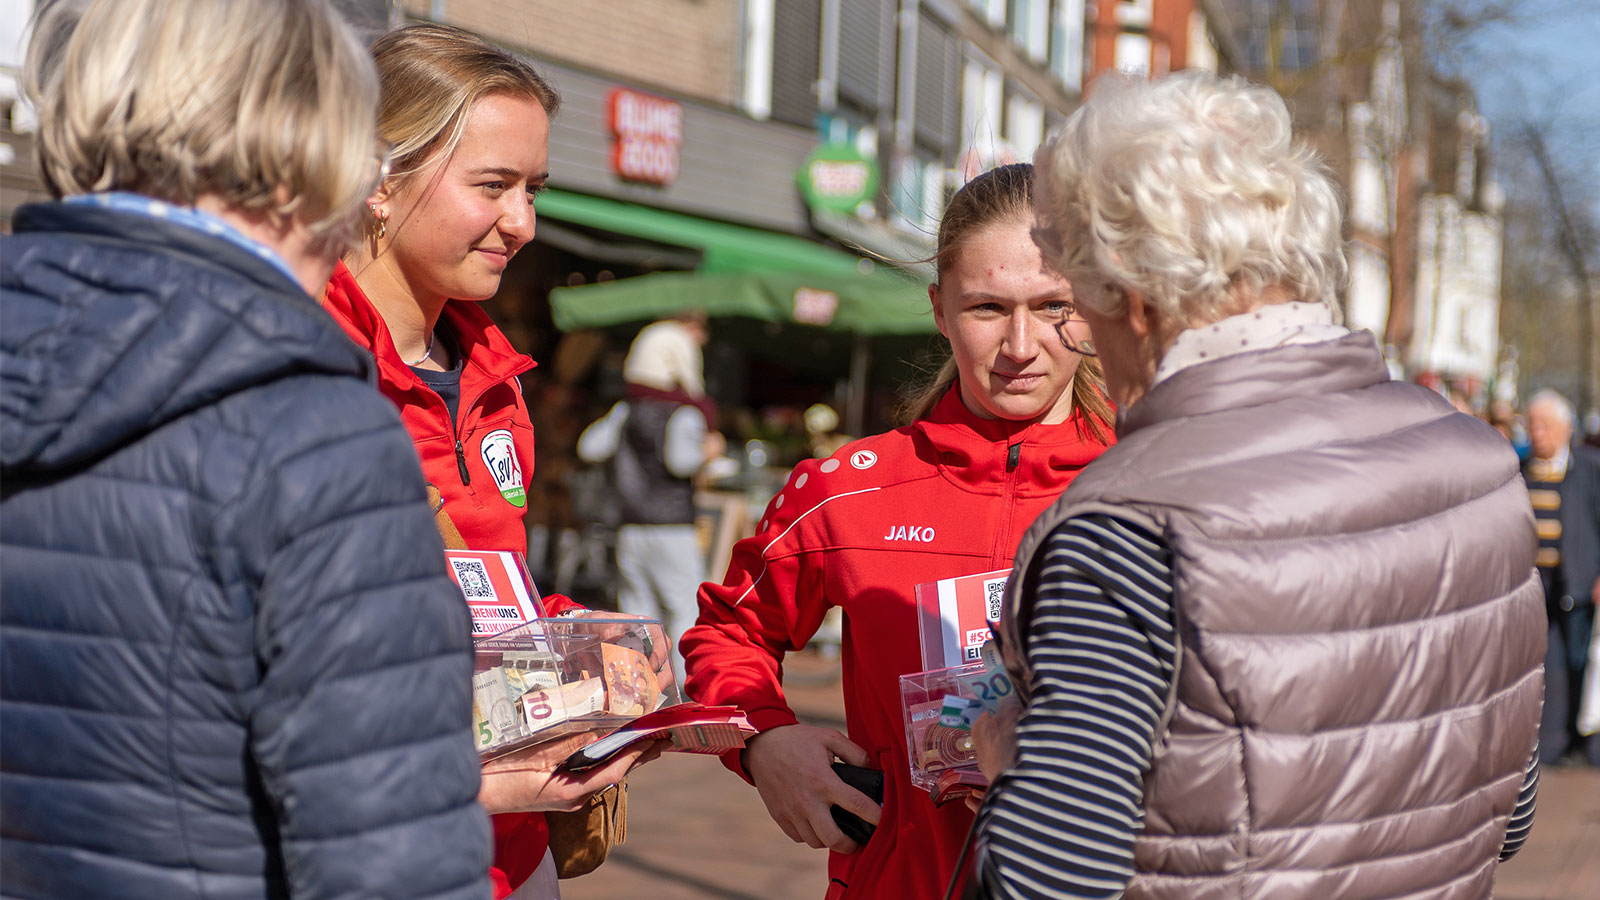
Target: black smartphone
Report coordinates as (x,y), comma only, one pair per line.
(867,781)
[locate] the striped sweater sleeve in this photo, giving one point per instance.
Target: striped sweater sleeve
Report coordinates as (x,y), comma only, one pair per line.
(1061,822)
(1521,824)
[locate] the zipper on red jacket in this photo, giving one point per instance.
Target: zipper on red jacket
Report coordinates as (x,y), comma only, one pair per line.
(461,463)
(1013,460)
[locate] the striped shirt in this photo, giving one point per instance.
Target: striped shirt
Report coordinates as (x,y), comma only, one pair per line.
(1061,822)
(1544,477)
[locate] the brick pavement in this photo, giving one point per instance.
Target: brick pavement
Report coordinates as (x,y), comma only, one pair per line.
(1561,860)
(695,832)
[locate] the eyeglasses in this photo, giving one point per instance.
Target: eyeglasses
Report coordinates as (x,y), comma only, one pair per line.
(1072,317)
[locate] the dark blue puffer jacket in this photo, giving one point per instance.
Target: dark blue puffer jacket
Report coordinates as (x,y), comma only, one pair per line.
(231,662)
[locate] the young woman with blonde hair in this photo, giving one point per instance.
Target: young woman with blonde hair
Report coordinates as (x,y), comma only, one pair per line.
(469,124)
(1019,415)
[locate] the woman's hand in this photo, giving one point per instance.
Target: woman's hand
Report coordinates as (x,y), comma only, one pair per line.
(994,736)
(790,766)
(526,781)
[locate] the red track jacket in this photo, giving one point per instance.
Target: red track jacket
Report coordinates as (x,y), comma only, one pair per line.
(946,496)
(481,469)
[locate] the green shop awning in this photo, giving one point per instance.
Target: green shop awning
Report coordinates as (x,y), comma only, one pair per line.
(878,303)
(724,247)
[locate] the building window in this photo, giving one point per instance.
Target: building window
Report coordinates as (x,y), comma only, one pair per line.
(1134,12)
(1133,53)
(991,11)
(980,104)
(1024,125)
(796,43)
(918,198)
(1280,36)
(1066,43)
(758,28)
(1030,27)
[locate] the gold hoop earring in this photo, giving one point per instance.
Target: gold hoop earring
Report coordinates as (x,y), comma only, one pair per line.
(380,222)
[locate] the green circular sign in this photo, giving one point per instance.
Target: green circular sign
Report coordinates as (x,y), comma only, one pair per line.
(838,177)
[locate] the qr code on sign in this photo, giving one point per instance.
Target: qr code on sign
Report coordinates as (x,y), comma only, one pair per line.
(994,592)
(474,578)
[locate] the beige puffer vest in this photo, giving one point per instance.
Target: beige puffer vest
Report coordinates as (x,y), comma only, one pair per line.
(1361,629)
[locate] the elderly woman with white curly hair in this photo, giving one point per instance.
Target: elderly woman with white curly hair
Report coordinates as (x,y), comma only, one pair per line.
(1284,639)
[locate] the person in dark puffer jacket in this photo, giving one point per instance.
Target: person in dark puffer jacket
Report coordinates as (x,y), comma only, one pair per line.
(232,664)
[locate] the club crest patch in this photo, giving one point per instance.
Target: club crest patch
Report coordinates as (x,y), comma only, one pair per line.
(500,457)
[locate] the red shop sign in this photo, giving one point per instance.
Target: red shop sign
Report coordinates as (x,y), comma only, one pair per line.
(647,134)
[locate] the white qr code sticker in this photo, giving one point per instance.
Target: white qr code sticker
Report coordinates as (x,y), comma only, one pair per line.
(474,579)
(994,592)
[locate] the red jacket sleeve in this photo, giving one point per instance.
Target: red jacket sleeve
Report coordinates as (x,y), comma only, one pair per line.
(556,604)
(771,602)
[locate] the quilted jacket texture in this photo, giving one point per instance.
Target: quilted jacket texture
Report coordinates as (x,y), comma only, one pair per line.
(231,662)
(1360,629)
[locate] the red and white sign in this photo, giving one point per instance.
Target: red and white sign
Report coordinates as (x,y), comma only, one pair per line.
(648,135)
(499,593)
(953,617)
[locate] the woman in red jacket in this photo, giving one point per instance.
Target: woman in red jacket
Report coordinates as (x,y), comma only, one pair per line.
(469,125)
(1013,418)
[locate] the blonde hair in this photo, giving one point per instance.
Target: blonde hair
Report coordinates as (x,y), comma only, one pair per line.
(1191,191)
(1000,195)
(430,76)
(268,105)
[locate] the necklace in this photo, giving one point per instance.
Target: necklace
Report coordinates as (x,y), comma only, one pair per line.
(425,353)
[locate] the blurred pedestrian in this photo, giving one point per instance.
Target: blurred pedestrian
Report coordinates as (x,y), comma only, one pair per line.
(233,663)
(1343,563)
(1564,485)
(1011,419)
(657,438)
(469,124)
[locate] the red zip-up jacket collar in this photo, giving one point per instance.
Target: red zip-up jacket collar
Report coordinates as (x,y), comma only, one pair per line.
(490,357)
(1039,460)
(454,455)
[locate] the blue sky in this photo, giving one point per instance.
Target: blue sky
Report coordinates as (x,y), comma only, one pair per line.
(1546,68)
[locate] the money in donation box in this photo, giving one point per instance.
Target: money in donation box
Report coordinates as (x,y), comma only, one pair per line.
(527,685)
(939,707)
(552,677)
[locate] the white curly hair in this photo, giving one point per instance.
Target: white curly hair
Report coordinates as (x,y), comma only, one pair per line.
(1191,191)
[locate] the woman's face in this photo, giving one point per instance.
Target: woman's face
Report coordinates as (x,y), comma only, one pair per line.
(456,224)
(1000,311)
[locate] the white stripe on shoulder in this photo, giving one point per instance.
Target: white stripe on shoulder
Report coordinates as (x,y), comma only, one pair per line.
(785,533)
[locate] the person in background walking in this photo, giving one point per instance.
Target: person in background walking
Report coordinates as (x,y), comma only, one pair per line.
(1564,484)
(657,438)
(1012,418)
(1283,639)
(469,124)
(232,663)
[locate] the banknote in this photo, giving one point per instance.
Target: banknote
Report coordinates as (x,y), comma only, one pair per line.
(991,686)
(494,708)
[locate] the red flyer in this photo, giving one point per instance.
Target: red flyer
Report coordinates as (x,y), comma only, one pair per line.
(499,592)
(953,617)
